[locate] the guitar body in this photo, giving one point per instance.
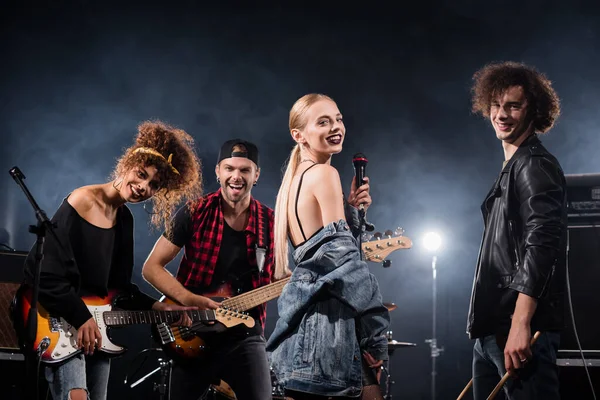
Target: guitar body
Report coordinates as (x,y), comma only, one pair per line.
(186,344)
(57,336)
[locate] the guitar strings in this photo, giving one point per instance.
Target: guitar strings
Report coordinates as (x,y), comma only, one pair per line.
(236,304)
(245,301)
(120,317)
(250,299)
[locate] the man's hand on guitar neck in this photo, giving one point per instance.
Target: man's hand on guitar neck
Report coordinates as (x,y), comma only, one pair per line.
(184,320)
(203,303)
(89,336)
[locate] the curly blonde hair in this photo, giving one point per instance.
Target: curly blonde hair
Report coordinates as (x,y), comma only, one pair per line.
(183,182)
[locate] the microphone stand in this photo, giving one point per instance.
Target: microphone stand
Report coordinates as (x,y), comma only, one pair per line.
(164,386)
(165,369)
(43,225)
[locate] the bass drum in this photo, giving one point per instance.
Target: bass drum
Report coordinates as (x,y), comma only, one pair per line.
(221,392)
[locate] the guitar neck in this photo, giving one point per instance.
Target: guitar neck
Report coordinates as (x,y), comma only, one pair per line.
(258,296)
(120,318)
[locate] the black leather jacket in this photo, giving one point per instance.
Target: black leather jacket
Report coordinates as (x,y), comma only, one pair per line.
(524,244)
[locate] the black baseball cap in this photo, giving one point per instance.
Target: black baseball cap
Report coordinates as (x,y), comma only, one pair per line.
(226,151)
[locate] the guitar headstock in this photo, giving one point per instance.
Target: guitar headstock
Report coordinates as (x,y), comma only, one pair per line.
(383,245)
(231,318)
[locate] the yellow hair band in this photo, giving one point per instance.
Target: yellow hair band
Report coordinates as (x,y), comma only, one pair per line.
(148,150)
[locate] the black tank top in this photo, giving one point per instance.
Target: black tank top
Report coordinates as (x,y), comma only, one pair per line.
(296,210)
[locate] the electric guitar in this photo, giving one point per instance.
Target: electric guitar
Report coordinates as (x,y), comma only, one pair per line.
(56,339)
(186,344)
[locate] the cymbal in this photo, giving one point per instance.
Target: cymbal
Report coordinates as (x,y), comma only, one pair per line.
(390,306)
(394,344)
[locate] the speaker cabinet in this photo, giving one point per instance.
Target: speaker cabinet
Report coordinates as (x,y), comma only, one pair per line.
(584,279)
(574,382)
(11,275)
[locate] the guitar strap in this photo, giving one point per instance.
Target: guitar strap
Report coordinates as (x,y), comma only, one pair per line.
(262,244)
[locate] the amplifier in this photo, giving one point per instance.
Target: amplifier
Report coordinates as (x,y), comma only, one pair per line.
(573,377)
(583,198)
(11,266)
(584,278)
(11,275)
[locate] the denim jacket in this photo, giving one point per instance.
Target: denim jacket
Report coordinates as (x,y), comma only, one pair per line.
(329,312)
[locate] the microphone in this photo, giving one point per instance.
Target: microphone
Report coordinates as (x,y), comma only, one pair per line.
(359,161)
(360,165)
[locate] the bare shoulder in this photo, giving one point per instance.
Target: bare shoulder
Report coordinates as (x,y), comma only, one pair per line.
(83,199)
(323,174)
(323,181)
(326,187)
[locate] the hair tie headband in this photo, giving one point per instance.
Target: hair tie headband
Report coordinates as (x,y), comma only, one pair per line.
(148,150)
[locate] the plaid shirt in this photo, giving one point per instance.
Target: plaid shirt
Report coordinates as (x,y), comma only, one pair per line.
(202,250)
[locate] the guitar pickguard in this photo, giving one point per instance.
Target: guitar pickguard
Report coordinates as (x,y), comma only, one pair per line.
(66,344)
(67,338)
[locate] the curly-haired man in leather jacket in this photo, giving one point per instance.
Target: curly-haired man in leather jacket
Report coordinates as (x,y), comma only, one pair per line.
(519,279)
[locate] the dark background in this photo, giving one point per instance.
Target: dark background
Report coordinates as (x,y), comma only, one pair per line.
(77,77)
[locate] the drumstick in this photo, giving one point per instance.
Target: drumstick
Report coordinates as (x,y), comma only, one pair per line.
(502,382)
(465,390)
(506,375)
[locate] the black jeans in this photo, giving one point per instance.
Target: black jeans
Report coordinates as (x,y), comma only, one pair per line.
(242,363)
(537,380)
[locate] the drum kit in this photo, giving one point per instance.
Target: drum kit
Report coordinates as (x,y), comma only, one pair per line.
(223,391)
(392,346)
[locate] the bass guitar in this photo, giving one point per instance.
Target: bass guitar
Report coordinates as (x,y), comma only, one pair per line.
(186,344)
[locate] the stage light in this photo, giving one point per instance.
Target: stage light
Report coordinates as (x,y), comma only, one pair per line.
(432,241)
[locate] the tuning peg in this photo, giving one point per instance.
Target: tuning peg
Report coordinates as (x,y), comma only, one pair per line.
(377,235)
(366,236)
(386,263)
(399,232)
(388,233)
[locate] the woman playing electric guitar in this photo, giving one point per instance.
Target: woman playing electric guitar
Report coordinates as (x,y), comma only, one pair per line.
(95,229)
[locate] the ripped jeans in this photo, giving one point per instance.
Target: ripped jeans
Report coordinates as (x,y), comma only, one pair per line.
(79,372)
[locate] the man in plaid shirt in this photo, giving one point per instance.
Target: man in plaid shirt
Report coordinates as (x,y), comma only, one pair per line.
(220,235)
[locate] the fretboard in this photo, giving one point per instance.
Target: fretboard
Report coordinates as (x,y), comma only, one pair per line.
(253,298)
(113,318)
